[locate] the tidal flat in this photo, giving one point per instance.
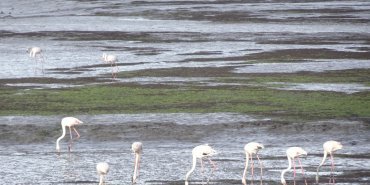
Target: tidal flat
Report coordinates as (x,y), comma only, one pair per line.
(283,73)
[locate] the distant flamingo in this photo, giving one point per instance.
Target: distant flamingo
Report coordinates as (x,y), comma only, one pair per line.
(200,152)
(137,148)
(36,53)
(102,168)
(70,122)
(329,148)
(292,153)
(250,149)
(112,60)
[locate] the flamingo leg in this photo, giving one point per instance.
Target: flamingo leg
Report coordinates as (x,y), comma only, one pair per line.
(332,168)
(260,163)
(213,168)
(42,62)
(202,169)
(138,167)
(71,140)
(294,170)
(252,167)
(78,135)
(305,181)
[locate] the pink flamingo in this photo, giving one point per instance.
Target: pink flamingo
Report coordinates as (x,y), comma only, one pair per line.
(69,122)
(102,168)
(137,148)
(250,149)
(36,53)
(292,153)
(200,152)
(112,60)
(329,148)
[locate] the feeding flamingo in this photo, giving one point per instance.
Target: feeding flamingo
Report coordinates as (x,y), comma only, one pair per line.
(137,148)
(251,149)
(329,148)
(200,152)
(69,122)
(102,168)
(292,153)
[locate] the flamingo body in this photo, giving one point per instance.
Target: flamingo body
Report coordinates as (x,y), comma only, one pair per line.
(69,122)
(34,51)
(102,168)
(109,58)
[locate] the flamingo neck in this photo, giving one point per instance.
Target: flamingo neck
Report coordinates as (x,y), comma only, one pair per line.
(318,168)
(136,168)
(101,180)
(284,171)
(191,170)
(246,167)
(61,137)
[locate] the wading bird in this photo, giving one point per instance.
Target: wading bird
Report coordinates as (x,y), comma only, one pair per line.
(329,148)
(69,122)
(292,153)
(137,148)
(102,168)
(201,152)
(35,52)
(112,60)
(250,149)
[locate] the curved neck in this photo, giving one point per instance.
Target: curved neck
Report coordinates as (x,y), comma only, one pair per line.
(101,180)
(284,171)
(136,168)
(323,160)
(61,137)
(318,168)
(246,166)
(192,168)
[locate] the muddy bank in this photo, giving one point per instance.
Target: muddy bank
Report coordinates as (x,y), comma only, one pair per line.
(44,129)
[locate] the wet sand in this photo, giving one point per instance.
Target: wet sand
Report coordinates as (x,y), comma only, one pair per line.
(181,42)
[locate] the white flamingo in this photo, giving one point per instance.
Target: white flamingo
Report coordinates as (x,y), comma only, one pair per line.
(329,148)
(112,60)
(36,53)
(251,149)
(102,168)
(200,152)
(137,148)
(292,153)
(69,122)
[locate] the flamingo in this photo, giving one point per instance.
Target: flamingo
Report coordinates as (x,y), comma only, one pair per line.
(329,148)
(137,148)
(292,153)
(250,149)
(112,60)
(69,122)
(35,52)
(102,168)
(200,152)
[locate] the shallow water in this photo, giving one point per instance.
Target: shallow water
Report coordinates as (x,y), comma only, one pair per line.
(168,140)
(152,34)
